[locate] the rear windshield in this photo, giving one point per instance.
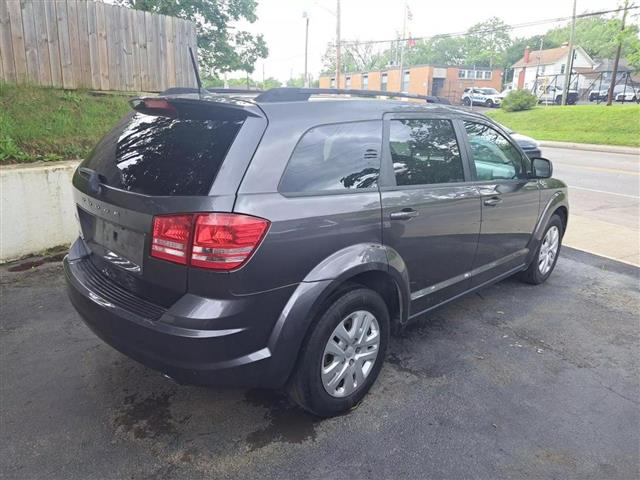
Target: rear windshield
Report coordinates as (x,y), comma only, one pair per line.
(156,155)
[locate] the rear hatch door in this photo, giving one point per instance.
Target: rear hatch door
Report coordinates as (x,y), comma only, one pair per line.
(171,155)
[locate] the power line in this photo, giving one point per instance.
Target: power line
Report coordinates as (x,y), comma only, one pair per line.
(488,30)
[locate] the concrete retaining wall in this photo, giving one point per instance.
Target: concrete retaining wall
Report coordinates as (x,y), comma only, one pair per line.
(36,208)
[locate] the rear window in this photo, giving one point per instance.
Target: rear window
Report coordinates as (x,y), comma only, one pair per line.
(337,157)
(156,155)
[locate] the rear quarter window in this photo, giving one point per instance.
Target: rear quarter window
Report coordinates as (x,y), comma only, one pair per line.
(335,158)
(156,155)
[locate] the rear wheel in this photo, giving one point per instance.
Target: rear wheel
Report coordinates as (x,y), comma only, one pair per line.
(343,355)
(559,100)
(546,256)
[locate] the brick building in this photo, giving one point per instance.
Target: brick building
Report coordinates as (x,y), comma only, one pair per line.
(447,82)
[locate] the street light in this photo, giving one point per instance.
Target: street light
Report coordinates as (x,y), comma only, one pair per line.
(305,15)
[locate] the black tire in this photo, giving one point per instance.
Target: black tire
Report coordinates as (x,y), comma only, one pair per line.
(488,103)
(305,386)
(558,100)
(532,274)
(466,102)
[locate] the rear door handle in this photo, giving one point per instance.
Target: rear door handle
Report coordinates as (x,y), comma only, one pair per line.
(493,201)
(404,214)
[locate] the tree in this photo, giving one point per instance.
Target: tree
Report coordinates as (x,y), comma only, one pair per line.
(436,51)
(269,83)
(486,42)
(219,49)
(516,50)
(356,57)
(598,36)
(296,82)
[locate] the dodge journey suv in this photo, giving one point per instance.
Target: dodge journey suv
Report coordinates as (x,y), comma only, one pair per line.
(275,239)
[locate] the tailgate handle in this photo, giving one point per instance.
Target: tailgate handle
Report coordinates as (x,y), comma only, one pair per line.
(95,179)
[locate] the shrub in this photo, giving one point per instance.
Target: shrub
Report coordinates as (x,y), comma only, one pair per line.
(517,100)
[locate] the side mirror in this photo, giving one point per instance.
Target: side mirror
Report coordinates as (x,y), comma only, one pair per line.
(542,168)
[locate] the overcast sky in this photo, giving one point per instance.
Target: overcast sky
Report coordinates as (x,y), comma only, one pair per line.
(282,24)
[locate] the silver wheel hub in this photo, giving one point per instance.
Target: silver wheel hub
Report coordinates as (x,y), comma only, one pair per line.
(548,250)
(350,353)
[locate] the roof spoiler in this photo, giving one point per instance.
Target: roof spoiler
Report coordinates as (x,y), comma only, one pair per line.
(207,108)
(186,90)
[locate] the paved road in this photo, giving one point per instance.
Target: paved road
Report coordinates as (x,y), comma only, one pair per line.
(514,382)
(604,195)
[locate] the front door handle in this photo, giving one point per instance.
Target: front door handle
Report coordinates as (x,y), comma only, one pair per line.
(493,201)
(404,214)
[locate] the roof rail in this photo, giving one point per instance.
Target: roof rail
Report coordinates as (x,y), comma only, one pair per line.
(286,94)
(182,90)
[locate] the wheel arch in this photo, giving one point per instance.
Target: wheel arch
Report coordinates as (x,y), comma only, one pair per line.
(373,266)
(555,203)
(563,212)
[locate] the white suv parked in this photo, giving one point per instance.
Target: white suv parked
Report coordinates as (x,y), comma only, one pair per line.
(487,97)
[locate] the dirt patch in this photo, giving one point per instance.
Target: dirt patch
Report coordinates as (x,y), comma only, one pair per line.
(33,263)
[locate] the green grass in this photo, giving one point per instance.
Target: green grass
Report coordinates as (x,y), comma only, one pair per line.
(46,124)
(598,124)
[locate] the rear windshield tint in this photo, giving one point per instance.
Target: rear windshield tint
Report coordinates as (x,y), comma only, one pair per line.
(156,155)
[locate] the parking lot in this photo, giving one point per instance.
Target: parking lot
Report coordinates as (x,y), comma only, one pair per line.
(514,381)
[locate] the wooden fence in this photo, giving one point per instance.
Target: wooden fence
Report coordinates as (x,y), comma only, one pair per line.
(86,44)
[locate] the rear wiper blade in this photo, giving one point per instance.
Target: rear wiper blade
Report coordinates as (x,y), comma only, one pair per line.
(95,179)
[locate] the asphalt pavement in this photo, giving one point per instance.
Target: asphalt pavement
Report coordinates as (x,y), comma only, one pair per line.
(515,381)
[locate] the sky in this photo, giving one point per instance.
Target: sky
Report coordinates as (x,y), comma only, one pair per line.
(282,24)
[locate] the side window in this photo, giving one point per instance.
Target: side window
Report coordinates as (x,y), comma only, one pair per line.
(425,152)
(344,156)
(494,156)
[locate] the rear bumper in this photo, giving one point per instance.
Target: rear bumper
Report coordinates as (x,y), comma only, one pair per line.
(197,341)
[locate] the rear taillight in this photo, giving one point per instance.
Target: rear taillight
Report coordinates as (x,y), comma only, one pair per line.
(218,241)
(170,239)
(224,241)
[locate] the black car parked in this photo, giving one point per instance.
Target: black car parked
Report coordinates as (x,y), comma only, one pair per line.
(276,239)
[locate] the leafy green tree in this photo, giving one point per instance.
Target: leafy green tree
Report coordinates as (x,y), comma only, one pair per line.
(269,83)
(598,36)
(356,57)
(437,51)
(487,42)
(516,50)
(220,48)
(296,82)
(210,81)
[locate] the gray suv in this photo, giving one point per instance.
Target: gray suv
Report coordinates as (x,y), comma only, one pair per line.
(275,239)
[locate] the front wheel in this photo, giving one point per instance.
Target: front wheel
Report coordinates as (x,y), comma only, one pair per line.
(343,354)
(546,256)
(466,102)
(488,104)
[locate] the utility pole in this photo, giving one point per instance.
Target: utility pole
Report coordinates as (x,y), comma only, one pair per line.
(617,59)
(337,43)
(404,36)
(305,15)
(569,65)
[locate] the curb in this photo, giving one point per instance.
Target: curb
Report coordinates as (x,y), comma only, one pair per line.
(592,147)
